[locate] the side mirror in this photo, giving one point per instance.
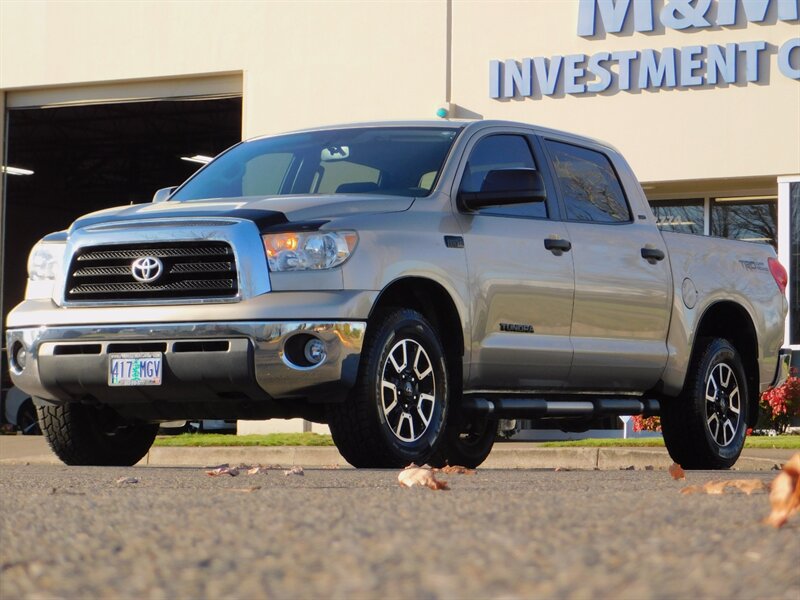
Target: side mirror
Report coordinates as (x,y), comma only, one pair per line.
(164,193)
(506,186)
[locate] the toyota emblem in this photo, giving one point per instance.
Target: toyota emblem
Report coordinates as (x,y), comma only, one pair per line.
(147,269)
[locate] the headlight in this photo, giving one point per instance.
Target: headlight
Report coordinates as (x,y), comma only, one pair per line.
(313,250)
(45,260)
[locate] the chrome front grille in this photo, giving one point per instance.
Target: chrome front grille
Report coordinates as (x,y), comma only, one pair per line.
(189,270)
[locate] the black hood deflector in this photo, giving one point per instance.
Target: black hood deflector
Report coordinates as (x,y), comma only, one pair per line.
(267,221)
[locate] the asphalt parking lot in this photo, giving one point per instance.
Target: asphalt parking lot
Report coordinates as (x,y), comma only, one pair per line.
(73,532)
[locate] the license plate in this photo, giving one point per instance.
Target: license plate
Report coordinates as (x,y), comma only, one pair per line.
(135,368)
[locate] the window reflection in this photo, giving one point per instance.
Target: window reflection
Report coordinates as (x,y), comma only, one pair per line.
(681,216)
(751,220)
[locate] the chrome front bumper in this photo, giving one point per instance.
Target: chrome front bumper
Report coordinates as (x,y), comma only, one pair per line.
(203,362)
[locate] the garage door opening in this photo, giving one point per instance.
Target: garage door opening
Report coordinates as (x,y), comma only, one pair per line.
(78,159)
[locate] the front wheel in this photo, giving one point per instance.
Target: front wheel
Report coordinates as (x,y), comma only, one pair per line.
(81,434)
(705,427)
(396,412)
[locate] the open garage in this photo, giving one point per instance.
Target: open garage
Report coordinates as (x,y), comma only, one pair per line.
(70,160)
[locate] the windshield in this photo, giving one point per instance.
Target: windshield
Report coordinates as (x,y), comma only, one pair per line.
(393,161)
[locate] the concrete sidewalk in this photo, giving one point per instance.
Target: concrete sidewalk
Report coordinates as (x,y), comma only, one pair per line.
(506,455)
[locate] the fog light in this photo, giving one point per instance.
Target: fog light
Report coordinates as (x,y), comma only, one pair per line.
(19,357)
(315,351)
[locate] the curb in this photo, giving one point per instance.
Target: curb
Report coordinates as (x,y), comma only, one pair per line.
(502,457)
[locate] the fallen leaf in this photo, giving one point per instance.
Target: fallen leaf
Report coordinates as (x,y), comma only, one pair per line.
(718,487)
(246,490)
(677,471)
(455,470)
(784,495)
(748,486)
(421,476)
(224,470)
(294,471)
(126,480)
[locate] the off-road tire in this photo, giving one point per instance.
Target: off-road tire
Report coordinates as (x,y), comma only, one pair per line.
(688,434)
(362,430)
(465,444)
(81,434)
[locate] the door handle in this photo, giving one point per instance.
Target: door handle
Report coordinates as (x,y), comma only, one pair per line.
(653,254)
(557,245)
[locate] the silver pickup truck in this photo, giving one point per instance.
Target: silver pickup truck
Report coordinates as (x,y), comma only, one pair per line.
(409,284)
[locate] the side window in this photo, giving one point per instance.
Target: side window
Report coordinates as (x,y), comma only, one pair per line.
(501,152)
(589,184)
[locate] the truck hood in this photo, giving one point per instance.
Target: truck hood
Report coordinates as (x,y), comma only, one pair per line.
(265,212)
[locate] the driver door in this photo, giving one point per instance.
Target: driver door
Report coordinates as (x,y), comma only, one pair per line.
(522,286)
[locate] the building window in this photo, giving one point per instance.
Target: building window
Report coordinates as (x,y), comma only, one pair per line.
(680,216)
(751,219)
(794,264)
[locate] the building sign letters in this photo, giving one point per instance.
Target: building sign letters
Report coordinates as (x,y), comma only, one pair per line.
(650,69)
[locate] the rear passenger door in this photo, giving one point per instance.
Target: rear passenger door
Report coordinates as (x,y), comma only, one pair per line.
(521,290)
(623,283)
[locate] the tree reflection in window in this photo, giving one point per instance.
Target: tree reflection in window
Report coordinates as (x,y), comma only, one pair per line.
(589,185)
(680,216)
(749,220)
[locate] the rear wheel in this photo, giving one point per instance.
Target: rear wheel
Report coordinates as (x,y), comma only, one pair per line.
(81,434)
(705,427)
(466,443)
(396,412)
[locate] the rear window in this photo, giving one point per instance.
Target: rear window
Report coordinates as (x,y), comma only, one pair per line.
(589,185)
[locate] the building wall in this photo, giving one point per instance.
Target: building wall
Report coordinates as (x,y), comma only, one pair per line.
(668,134)
(303,63)
(308,63)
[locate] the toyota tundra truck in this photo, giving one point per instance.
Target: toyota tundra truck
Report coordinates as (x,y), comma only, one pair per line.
(409,284)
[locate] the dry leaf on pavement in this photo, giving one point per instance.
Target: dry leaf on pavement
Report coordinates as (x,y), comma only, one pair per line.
(294,471)
(784,495)
(717,487)
(676,471)
(223,470)
(421,476)
(455,470)
(126,480)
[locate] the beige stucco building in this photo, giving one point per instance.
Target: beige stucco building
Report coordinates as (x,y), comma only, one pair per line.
(702,98)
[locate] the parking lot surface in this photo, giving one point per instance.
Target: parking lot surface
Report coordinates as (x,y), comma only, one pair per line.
(73,532)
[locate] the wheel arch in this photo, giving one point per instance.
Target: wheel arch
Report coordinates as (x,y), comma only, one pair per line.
(431,299)
(731,321)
